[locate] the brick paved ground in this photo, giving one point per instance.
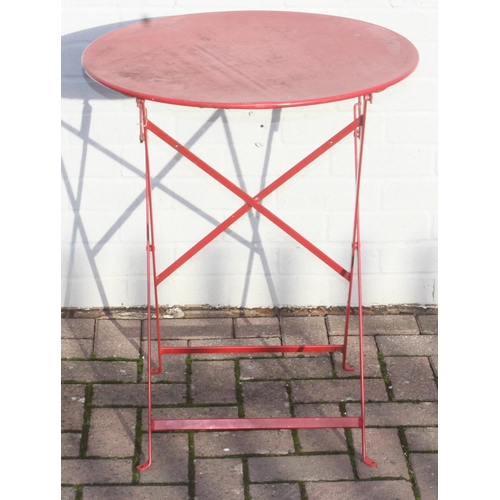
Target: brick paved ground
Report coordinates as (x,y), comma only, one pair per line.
(104,396)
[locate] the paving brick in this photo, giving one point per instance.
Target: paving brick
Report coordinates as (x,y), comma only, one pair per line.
(428,323)
(265,399)
(317,440)
(336,325)
(196,328)
(220,444)
(261,398)
(408,345)
(164,343)
(300,468)
(377,324)
(317,410)
(68,493)
(117,338)
(349,490)
(256,327)
(90,471)
(391,324)
(99,371)
(135,493)
(285,368)
(434,364)
(425,468)
(72,406)
(411,378)
(314,355)
(278,491)
(112,432)
(371,361)
(397,414)
(422,438)
(219,478)
(329,391)
(173,367)
(202,412)
(235,342)
(70,444)
(137,394)
(303,330)
(76,348)
(383,446)
(213,382)
(170,458)
(72,328)
(169,394)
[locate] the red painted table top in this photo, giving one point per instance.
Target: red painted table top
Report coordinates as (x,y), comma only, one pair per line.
(249,59)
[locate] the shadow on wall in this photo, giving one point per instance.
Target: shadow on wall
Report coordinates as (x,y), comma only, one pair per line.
(75,84)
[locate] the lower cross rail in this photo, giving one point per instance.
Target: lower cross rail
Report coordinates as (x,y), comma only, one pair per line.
(259,424)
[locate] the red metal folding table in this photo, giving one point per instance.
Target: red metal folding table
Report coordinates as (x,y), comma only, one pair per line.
(251,60)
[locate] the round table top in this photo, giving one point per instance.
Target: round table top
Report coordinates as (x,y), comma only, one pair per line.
(249,59)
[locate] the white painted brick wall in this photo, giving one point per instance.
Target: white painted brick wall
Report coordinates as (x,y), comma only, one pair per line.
(103,213)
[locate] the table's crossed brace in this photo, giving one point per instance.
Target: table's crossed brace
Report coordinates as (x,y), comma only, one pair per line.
(356,127)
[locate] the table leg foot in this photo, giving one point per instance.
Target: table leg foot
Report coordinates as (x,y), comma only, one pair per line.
(144,466)
(370,462)
(347,368)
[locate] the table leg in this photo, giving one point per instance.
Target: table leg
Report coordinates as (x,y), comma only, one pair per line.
(360,109)
(150,270)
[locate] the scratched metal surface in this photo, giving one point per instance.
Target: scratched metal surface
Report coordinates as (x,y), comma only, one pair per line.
(249,59)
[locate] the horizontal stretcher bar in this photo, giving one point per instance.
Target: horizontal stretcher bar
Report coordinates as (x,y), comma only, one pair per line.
(224,424)
(251,349)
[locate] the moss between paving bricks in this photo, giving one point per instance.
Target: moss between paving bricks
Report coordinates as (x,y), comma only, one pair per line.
(86,420)
(138,447)
(385,376)
(406,452)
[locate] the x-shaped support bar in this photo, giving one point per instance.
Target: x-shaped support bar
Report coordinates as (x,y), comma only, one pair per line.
(357,127)
(250,202)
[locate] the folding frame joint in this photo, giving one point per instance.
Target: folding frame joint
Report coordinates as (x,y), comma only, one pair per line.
(143,118)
